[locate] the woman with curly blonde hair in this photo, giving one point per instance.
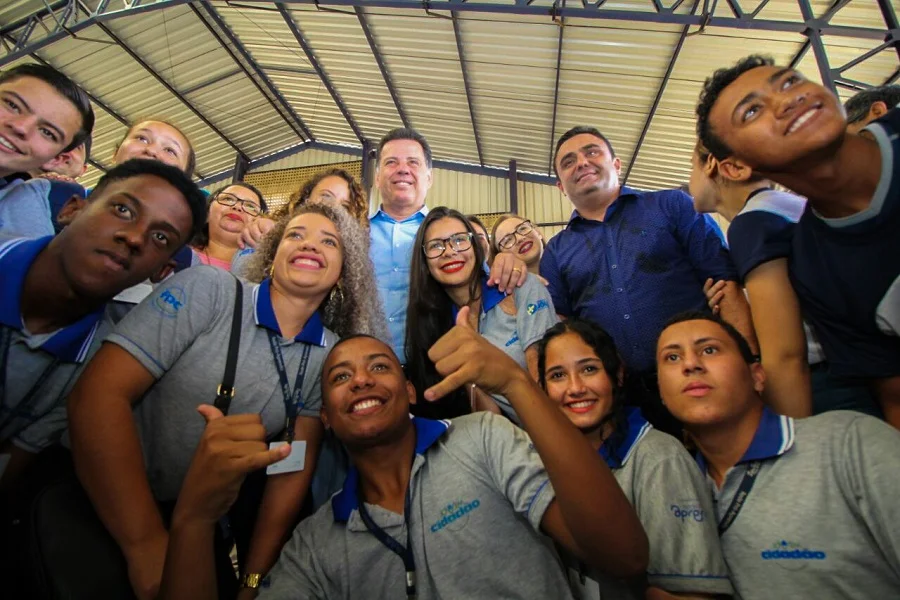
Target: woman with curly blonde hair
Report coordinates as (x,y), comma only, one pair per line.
(352,306)
(334,187)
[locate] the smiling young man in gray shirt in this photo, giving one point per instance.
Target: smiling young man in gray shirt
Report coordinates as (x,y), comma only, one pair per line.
(431,509)
(807,508)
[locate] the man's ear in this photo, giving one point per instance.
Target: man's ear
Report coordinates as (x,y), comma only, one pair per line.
(878,109)
(560,187)
(70,210)
(759,377)
(164,271)
(411,392)
(617,163)
(734,169)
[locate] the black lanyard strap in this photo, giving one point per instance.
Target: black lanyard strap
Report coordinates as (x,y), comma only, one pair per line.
(404,552)
(740,497)
(293,401)
(24,406)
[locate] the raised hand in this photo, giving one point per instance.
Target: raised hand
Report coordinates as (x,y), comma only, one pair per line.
(715,292)
(463,357)
(231,447)
(255,231)
(507,272)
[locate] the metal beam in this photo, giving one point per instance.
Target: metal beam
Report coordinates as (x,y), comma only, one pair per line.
(187,103)
(51,32)
(559,48)
(323,76)
(890,19)
(814,33)
(448,165)
(379,60)
(513,188)
(241,165)
(96,165)
(465,74)
(659,95)
(244,60)
(367,151)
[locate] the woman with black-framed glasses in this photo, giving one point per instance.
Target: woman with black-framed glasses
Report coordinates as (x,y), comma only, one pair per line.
(446,273)
(519,237)
(230,210)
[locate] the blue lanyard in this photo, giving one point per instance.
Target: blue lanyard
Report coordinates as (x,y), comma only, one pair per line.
(404,552)
(293,402)
(23,408)
(740,497)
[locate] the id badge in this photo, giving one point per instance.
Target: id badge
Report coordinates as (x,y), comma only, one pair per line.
(294,461)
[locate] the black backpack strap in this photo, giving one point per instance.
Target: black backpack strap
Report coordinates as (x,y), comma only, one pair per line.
(225,392)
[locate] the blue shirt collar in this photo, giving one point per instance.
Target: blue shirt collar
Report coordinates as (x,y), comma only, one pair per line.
(312,333)
(347,500)
(490,297)
(637,428)
(623,192)
(774,436)
(380,215)
(71,343)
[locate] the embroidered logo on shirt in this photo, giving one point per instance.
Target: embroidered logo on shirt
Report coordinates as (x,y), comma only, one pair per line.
(539,305)
(170,301)
(455,515)
(785,550)
(513,339)
(688,512)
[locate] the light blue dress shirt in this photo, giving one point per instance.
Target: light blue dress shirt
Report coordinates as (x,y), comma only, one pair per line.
(391,250)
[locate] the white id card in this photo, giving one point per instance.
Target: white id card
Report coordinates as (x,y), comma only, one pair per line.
(294,461)
(4,460)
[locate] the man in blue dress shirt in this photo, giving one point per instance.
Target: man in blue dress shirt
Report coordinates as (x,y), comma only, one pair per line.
(629,260)
(403,177)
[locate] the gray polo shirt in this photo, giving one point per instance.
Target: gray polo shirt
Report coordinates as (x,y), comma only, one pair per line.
(821,520)
(514,333)
(38,370)
(479,493)
(180,334)
(662,482)
(25,209)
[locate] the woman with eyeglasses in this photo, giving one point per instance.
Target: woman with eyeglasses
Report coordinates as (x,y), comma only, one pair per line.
(518,236)
(447,273)
(231,209)
(580,369)
(133,414)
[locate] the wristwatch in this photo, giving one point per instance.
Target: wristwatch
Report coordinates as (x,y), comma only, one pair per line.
(251,580)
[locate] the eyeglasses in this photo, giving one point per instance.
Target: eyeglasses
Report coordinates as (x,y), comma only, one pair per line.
(509,240)
(458,241)
(247,206)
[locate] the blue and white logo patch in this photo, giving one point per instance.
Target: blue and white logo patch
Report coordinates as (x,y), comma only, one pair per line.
(170,301)
(537,306)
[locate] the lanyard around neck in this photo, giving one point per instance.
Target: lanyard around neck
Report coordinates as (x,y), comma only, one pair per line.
(740,497)
(404,552)
(293,401)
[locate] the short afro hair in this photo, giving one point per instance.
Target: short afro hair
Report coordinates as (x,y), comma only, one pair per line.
(712,88)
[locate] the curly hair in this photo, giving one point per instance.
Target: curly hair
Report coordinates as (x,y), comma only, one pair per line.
(605,349)
(359,204)
(712,88)
(201,240)
(357,309)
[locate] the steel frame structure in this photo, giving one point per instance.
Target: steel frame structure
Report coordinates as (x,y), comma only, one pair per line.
(64,18)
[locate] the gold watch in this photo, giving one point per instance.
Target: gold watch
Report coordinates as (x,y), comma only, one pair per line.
(251,580)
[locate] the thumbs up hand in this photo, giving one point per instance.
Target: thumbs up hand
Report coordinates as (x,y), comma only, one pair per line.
(462,356)
(231,447)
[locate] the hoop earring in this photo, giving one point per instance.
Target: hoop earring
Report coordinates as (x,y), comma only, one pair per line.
(338,291)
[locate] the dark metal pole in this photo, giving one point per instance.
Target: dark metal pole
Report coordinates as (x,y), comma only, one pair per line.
(241,166)
(465,74)
(379,60)
(513,188)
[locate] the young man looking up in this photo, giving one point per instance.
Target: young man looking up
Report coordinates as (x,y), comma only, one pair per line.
(845,248)
(806,508)
(430,509)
